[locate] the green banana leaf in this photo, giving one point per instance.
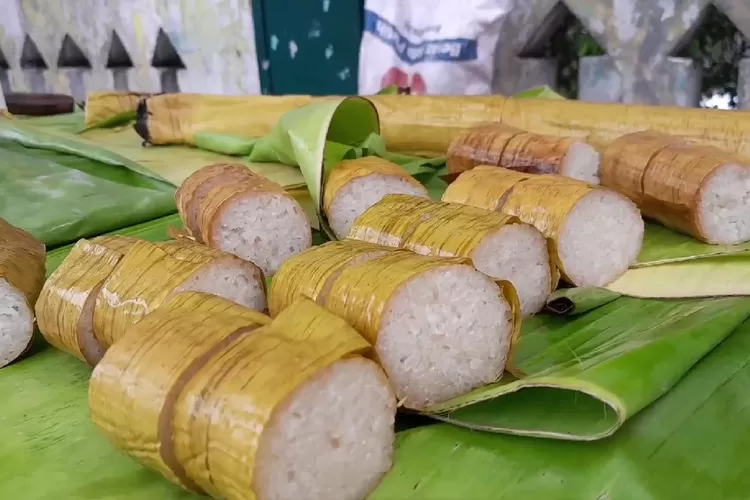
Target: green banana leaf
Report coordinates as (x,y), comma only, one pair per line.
(60,197)
(584,377)
(691,444)
(51,449)
(26,134)
(663,246)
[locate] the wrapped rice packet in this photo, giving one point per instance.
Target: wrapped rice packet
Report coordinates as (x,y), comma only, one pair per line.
(697,189)
(22,270)
(502,145)
(440,328)
(499,245)
(226,206)
(67,304)
(596,233)
(149,274)
(65,309)
(238,407)
(355,185)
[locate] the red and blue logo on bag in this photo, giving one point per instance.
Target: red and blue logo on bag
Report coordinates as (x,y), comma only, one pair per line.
(443,50)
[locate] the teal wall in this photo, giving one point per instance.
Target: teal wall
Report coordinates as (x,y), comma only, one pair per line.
(308,46)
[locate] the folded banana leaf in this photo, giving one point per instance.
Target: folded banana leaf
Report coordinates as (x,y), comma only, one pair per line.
(691,444)
(60,196)
(585,376)
(173,163)
(50,447)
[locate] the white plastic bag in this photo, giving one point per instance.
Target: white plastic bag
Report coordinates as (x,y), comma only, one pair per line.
(432,46)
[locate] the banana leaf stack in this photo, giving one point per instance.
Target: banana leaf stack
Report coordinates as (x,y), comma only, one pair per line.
(633,396)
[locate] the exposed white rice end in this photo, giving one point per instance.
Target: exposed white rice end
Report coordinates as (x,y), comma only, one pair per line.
(517,253)
(264,228)
(446,331)
(225,278)
(581,162)
(16,323)
(724,205)
(356,196)
(332,438)
(601,237)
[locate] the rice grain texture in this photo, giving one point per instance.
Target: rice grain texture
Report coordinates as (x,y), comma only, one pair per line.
(697,189)
(280,410)
(501,145)
(22,270)
(499,245)
(226,206)
(596,233)
(356,185)
(440,328)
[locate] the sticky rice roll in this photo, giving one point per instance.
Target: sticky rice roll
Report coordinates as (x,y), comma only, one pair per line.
(356,185)
(596,233)
(16,323)
(502,145)
(499,245)
(230,208)
(22,270)
(332,438)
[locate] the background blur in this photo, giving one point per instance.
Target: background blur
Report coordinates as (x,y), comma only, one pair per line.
(680,52)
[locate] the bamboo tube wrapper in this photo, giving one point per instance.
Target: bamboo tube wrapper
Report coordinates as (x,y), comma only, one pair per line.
(596,233)
(22,269)
(240,407)
(697,189)
(440,328)
(355,185)
(501,145)
(226,206)
(499,245)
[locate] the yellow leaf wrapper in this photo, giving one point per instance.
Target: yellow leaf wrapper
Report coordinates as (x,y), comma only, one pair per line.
(160,355)
(22,261)
(433,228)
(22,266)
(145,277)
(103,106)
(665,176)
(350,170)
(312,273)
(501,145)
(176,118)
(202,196)
(116,242)
(216,373)
(66,305)
(253,377)
(355,280)
(541,200)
